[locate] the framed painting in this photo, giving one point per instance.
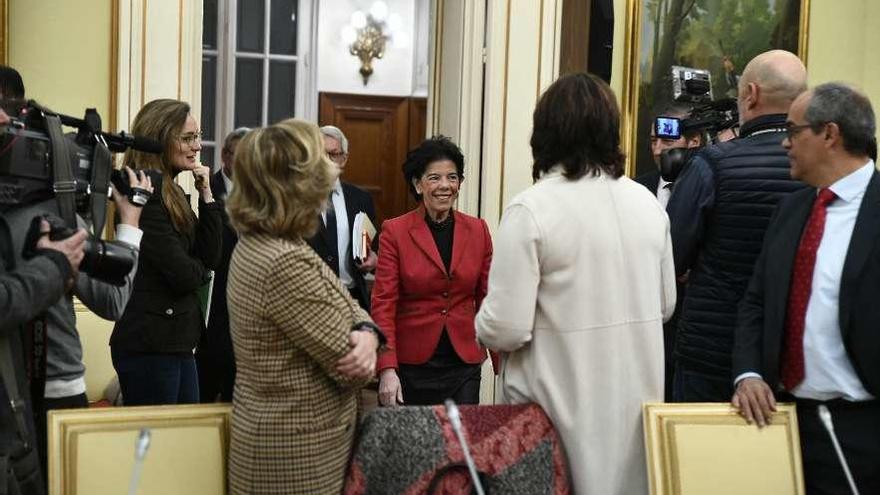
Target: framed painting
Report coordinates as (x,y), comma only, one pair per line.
(719,36)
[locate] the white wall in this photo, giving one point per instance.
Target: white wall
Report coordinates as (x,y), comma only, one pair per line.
(394,74)
(420,49)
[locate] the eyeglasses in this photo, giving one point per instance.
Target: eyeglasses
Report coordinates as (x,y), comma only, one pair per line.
(336,155)
(793,130)
(190,138)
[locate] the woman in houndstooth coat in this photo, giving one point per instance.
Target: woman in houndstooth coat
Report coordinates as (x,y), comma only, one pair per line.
(297,334)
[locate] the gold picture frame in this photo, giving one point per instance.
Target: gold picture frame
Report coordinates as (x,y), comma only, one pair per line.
(92,451)
(709,448)
(636,48)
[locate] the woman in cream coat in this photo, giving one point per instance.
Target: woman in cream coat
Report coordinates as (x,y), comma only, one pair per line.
(580,284)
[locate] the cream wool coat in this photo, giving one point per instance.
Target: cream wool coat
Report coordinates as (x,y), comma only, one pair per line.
(580,284)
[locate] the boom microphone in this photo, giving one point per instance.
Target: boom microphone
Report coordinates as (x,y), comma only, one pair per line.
(118,143)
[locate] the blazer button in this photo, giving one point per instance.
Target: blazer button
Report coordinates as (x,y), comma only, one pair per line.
(443,312)
(445,294)
(169,311)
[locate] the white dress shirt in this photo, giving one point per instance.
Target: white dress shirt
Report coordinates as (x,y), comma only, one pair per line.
(664,191)
(828,372)
(343,236)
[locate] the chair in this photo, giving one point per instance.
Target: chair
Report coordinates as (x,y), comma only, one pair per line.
(709,448)
(91,451)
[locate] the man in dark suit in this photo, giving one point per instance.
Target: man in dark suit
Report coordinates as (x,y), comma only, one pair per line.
(662,188)
(214,358)
(808,324)
(333,240)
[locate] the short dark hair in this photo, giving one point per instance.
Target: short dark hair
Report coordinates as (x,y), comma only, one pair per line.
(577,124)
(11,85)
(850,110)
(431,150)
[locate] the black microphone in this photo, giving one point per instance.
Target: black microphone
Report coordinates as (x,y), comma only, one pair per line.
(120,142)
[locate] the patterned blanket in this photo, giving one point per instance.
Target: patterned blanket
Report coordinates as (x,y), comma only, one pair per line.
(407,450)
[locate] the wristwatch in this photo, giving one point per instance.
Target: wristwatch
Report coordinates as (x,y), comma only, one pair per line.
(369,326)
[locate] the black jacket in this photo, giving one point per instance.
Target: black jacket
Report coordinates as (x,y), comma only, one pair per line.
(761,324)
(26,291)
(164,313)
(650,180)
(216,342)
(356,200)
(718,214)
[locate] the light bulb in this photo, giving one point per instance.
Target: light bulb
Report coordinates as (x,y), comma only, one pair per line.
(379,10)
(358,19)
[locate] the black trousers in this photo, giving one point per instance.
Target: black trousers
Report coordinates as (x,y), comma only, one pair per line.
(41,420)
(857,426)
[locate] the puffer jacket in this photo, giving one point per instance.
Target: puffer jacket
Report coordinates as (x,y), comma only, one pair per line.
(748,177)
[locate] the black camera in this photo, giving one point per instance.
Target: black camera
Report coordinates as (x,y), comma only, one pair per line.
(104,260)
(39,162)
(691,85)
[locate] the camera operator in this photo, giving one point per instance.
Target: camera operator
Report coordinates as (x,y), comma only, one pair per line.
(718,214)
(65,385)
(654,180)
(26,290)
(662,188)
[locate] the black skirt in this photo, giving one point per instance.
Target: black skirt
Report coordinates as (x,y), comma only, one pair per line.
(444,376)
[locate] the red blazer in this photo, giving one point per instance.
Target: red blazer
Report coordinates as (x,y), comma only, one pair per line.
(413,297)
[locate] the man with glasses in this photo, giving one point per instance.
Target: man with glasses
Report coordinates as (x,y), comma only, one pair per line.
(718,215)
(333,240)
(808,324)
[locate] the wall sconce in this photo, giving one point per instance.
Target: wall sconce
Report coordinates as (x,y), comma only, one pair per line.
(367,34)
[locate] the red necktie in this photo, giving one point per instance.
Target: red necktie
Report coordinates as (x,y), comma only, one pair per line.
(792,365)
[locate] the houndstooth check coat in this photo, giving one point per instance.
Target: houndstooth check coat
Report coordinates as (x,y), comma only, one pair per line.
(293,416)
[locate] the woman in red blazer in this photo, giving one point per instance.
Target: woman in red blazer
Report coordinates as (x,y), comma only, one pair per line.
(431,277)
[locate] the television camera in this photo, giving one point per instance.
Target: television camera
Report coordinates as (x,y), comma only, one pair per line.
(39,162)
(708,116)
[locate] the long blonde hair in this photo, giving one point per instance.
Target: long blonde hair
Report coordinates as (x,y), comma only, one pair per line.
(163,120)
(282,180)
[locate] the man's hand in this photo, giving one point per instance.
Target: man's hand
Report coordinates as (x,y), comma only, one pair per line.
(755,401)
(360,362)
(72,247)
(369,264)
(390,391)
(4,119)
(202,178)
(129,213)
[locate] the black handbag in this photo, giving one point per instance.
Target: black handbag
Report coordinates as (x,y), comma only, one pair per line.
(441,473)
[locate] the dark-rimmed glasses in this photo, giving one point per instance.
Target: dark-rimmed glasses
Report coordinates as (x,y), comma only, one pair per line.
(793,130)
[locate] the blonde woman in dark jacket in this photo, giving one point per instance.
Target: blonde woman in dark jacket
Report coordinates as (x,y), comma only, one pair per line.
(152,344)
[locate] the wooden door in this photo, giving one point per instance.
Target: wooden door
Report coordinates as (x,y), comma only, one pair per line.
(380,131)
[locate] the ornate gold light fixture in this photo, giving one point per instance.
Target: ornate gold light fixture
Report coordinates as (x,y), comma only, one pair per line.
(367,34)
